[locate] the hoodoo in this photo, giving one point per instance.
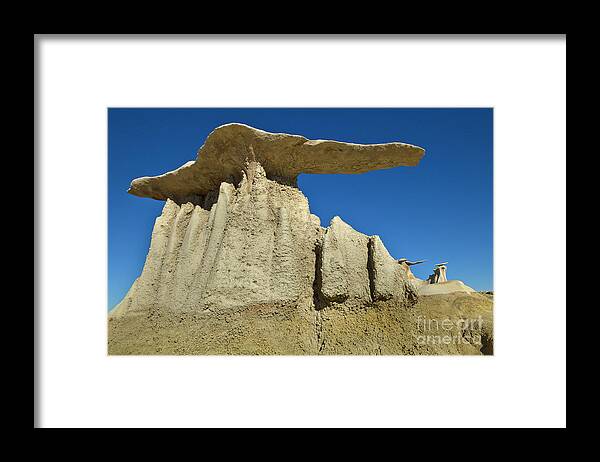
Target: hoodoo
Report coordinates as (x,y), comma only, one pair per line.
(437,283)
(235,229)
(228,149)
(238,265)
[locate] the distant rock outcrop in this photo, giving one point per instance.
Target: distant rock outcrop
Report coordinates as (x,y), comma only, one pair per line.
(437,283)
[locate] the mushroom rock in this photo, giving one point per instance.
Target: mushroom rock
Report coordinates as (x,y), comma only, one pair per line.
(439,273)
(228,148)
(236,238)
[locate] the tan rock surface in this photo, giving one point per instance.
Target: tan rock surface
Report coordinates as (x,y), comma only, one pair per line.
(450,324)
(223,157)
(255,245)
(447,287)
(345,269)
(455,323)
(389,279)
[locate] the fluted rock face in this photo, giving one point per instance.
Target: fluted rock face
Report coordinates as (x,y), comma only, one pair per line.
(357,270)
(389,279)
(254,245)
(258,244)
(345,269)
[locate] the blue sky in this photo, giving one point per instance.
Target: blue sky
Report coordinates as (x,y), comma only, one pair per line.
(441,210)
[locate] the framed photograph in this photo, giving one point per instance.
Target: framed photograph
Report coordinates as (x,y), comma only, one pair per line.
(235,227)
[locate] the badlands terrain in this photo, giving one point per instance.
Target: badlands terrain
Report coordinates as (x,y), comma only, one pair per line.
(238,265)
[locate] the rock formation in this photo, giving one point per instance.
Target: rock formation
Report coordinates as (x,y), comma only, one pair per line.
(238,264)
(437,283)
(439,274)
(225,155)
(406,264)
(235,230)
